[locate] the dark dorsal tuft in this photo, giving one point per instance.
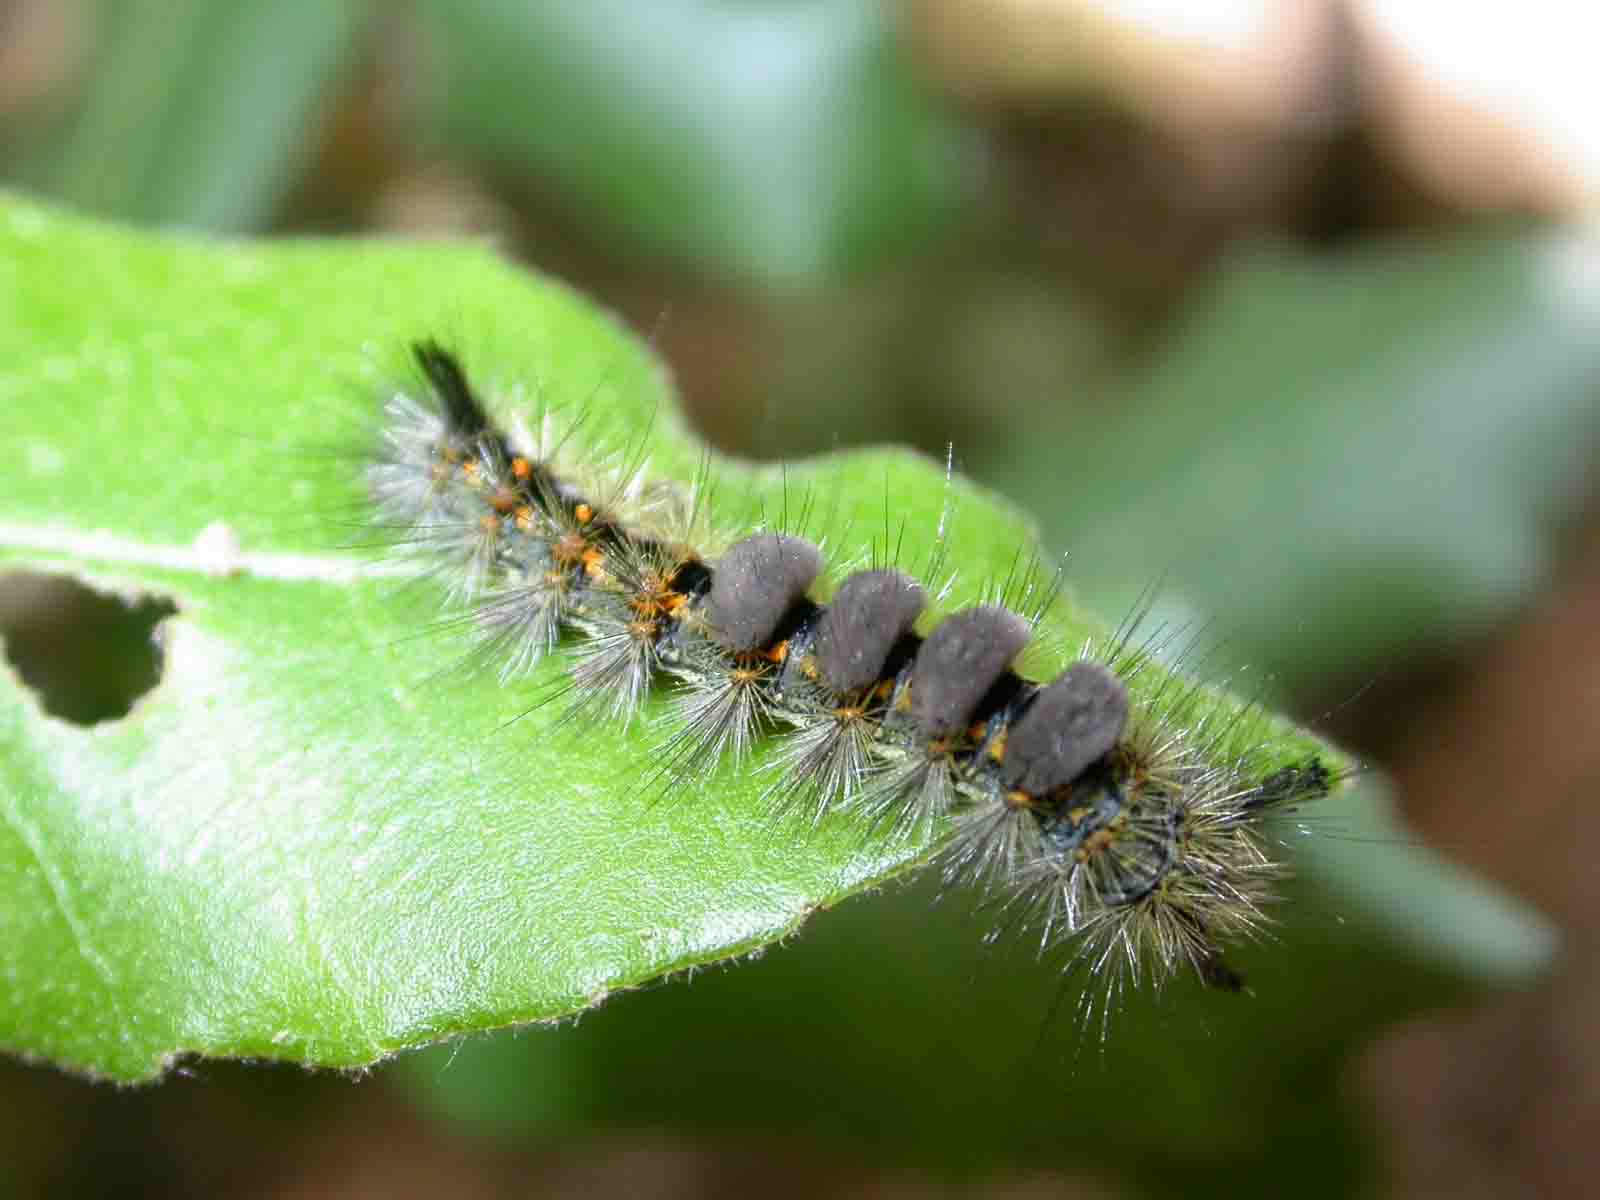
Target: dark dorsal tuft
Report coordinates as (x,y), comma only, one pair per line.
(1072,723)
(756,582)
(961,660)
(867,615)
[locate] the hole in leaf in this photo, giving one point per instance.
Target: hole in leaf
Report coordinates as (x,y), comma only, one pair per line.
(88,655)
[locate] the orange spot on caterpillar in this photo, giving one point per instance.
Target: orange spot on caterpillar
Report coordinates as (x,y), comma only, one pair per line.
(584,513)
(521,468)
(569,549)
(655,599)
(1097,842)
(1131,763)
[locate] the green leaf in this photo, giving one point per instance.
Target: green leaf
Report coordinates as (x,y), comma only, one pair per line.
(308,842)
(896,1007)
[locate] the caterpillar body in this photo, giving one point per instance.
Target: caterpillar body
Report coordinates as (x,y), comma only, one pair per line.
(1124,822)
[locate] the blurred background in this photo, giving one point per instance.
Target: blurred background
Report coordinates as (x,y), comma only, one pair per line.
(1290,306)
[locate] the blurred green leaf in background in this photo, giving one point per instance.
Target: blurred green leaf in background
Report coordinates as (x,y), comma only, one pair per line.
(196,112)
(780,142)
(1345,459)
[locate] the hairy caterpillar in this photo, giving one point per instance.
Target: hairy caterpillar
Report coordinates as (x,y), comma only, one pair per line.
(1108,813)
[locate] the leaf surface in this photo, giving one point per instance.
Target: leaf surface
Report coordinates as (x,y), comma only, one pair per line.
(313,840)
